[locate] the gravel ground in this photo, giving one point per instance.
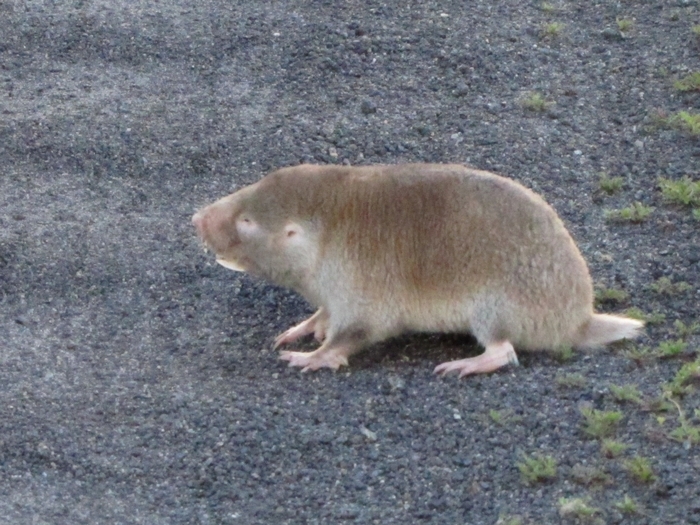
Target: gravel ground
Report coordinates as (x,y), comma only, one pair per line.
(138,380)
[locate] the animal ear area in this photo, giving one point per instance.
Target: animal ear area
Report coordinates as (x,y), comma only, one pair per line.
(247,226)
(293,231)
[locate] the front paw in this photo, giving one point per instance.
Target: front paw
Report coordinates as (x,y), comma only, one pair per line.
(314,360)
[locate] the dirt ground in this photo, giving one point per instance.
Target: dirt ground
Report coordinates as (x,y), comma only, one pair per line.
(137,379)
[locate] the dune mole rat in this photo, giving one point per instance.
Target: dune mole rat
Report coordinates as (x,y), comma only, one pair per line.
(383,250)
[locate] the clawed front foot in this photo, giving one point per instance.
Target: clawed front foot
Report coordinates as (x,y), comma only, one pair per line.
(494,357)
(316,324)
(321,358)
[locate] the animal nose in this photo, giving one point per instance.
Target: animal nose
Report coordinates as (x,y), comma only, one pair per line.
(198,222)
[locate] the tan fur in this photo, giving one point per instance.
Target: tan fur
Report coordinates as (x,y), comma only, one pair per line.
(417,247)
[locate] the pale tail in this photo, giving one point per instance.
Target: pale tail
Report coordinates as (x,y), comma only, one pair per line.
(603,329)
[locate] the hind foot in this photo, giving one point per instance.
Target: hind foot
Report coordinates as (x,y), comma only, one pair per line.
(494,357)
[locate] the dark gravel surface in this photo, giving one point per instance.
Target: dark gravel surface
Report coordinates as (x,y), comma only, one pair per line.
(137,379)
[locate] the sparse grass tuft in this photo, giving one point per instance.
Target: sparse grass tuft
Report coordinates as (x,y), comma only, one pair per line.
(624,24)
(503,417)
(610,295)
(668,349)
(537,469)
(684,191)
(570,380)
(610,184)
(638,354)
(577,507)
(696,214)
(552,30)
(685,330)
(636,213)
(626,393)
(679,385)
(652,318)
(664,286)
(589,475)
(509,520)
(535,101)
(686,121)
(548,7)
(688,83)
(627,505)
(611,448)
(695,30)
(640,469)
(563,354)
(600,423)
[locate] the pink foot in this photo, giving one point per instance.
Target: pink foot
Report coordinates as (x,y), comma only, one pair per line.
(316,324)
(321,358)
(494,357)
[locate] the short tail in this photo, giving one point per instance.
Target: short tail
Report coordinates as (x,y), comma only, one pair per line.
(603,329)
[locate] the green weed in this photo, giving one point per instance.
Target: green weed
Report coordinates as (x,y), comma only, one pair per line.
(610,295)
(552,30)
(664,286)
(652,318)
(626,393)
(534,101)
(688,83)
(640,469)
(577,507)
(600,423)
(671,348)
(537,468)
(570,380)
(627,505)
(610,184)
(636,213)
(684,191)
(686,121)
(611,448)
(624,24)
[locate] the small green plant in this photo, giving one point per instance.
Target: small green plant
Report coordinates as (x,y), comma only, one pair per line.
(548,7)
(668,349)
(688,83)
(570,380)
(664,286)
(636,213)
(685,330)
(639,355)
(503,417)
(563,353)
(552,29)
(589,475)
(577,507)
(686,121)
(610,184)
(640,469)
(684,191)
(537,468)
(624,24)
(610,295)
(679,385)
(611,448)
(658,404)
(626,393)
(652,318)
(696,214)
(600,423)
(535,101)
(627,505)
(509,520)
(695,30)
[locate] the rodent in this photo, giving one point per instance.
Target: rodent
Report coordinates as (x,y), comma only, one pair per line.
(388,249)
